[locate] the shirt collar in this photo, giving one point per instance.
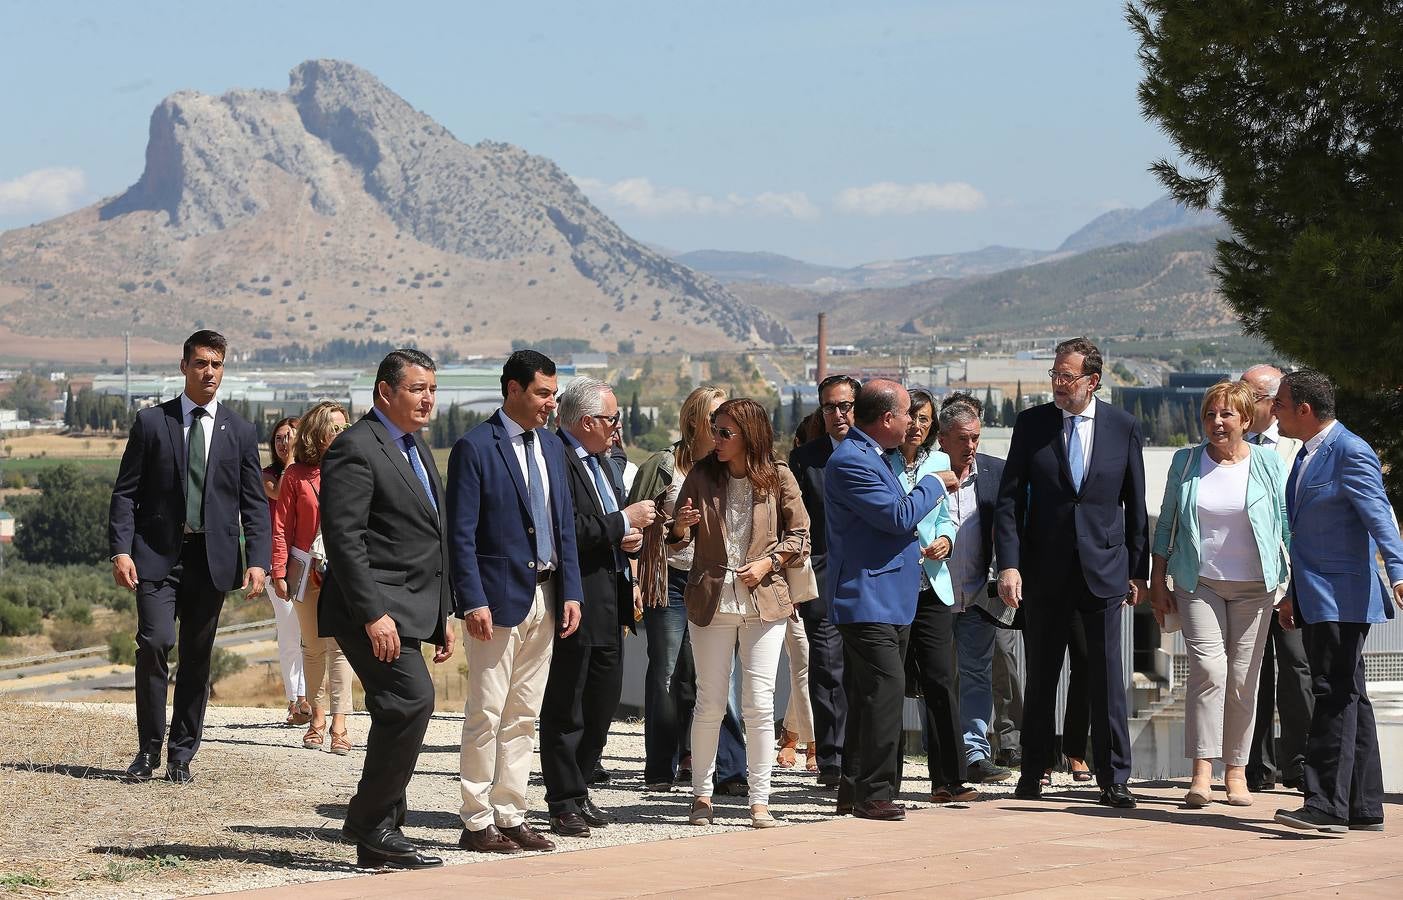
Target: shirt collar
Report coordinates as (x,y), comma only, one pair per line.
(834,441)
(1314,443)
(1088,413)
(514,430)
(572,443)
(396,433)
(186,405)
(1271,433)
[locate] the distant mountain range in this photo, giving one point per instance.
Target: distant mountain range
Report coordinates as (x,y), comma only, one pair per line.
(1119,226)
(336,209)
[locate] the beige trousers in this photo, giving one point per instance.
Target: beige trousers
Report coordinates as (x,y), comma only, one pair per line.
(799,713)
(506,683)
(322,659)
(1225,628)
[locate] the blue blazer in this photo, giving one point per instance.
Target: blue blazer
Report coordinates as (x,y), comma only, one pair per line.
(491,549)
(1340,521)
(874,564)
(935,525)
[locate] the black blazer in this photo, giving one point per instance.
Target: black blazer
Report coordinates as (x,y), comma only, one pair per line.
(1043,524)
(608,600)
(386,549)
(146,518)
(807,462)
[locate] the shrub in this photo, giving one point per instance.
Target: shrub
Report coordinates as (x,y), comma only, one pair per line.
(66,634)
(121,648)
(224,663)
(18,620)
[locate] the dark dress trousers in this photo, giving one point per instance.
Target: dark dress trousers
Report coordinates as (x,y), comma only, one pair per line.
(386,554)
(1077,551)
(1284,688)
(826,693)
(586,669)
(182,578)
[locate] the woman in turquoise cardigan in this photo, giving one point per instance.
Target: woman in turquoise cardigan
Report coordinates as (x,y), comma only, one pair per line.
(931,650)
(1222,537)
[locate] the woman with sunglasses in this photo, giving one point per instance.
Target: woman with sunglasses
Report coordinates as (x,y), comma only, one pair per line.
(742,514)
(296,525)
(299,711)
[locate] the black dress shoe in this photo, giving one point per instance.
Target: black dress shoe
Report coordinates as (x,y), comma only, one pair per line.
(1117,796)
(1310,820)
(528,838)
(1029,787)
(843,808)
(142,767)
(829,778)
(569,824)
(1366,823)
(880,810)
(386,848)
(600,775)
(594,816)
(1009,759)
(985,771)
(735,787)
(488,840)
(178,773)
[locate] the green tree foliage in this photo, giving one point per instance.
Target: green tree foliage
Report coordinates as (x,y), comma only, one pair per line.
(69,524)
(1291,117)
(98,412)
(29,396)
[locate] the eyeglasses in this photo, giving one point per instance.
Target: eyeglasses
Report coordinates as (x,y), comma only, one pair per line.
(1066,377)
(844,407)
(724,434)
(339,428)
(1261,398)
(613,420)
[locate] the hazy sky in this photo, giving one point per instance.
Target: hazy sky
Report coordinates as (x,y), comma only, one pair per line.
(835,132)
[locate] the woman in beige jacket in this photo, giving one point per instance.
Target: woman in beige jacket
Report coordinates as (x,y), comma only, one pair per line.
(742,513)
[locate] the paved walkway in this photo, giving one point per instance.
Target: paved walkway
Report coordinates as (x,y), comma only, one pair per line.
(1064,846)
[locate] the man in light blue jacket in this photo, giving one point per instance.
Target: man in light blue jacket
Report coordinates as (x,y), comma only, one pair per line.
(1341,522)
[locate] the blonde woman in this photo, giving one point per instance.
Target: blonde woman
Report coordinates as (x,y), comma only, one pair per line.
(296,523)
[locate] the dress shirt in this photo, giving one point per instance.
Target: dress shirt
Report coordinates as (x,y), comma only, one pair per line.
(514,434)
(584,455)
(967,579)
(1084,428)
(187,407)
(1268,438)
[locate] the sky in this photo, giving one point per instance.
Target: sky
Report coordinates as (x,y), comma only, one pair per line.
(837,133)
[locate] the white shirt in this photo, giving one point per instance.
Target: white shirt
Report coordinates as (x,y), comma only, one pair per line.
(515,433)
(187,407)
(1084,428)
(1227,545)
(583,454)
(1311,446)
(1269,438)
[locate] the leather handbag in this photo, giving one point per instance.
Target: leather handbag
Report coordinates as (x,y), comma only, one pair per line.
(803,584)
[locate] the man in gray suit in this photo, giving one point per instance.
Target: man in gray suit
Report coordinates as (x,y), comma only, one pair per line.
(1284,687)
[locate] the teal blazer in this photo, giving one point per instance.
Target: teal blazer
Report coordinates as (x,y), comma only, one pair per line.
(936,524)
(1266,510)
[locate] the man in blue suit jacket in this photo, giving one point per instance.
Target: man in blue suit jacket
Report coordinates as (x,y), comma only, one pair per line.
(873,578)
(1341,522)
(1071,534)
(516,578)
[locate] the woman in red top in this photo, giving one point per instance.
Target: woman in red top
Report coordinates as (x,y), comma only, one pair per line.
(296,521)
(299,711)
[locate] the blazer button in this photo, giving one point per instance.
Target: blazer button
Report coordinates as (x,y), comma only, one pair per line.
(531,565)
(530,530)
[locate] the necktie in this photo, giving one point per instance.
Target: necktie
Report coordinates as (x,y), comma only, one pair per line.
(540,513)
(1075,461)
(1262,440)
(418,465)
(1291,482)
(195,471)
(606,491)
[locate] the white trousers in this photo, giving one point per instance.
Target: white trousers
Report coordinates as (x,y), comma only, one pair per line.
(799,714)
(1225,629)
(713,651)
(506,682)
(289,646)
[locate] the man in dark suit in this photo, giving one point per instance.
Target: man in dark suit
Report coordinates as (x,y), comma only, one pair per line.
(1341,524)
(1071,534)
(516,576)
(190,479)
(979,617)
(385,593)
(586,668)
(836,396)
(874,575)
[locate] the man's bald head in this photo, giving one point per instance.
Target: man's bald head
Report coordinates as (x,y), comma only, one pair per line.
(1265,381)
(883,411)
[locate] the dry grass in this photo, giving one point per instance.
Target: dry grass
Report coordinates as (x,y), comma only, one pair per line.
(67,446)
(72,826)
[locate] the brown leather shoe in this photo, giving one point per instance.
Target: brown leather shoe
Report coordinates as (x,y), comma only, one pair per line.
(881,810)
(488,840)
(527,838)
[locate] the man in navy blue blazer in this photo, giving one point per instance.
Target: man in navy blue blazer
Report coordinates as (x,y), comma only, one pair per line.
(189,483)
(873,578)
(516,580)
(1072,538)
(1341,522)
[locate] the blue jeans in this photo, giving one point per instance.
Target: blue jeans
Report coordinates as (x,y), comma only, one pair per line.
(669,694)
(974,647)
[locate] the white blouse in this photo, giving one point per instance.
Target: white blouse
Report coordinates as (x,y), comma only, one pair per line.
(738,516)
(1227,547)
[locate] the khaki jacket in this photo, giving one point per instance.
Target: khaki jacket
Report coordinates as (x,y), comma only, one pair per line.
(779,525)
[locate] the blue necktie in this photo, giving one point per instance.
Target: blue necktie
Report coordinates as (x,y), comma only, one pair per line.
(1291,482)
(1075,461)
(606,491)
(418,465)
(540,513)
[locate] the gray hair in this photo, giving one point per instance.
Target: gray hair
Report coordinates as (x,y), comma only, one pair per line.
(582,399)
(953,414)
(1269,373)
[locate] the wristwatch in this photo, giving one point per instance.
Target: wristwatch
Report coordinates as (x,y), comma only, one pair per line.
(774,561)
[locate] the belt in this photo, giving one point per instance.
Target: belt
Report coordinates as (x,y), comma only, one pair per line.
(543,577)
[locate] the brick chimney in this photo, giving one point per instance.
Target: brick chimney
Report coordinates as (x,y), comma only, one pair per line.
(821,370)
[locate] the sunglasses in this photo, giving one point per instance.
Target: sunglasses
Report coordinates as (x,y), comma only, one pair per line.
(724,434)
(613,420)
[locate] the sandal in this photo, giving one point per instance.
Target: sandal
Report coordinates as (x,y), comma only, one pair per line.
(1083,774)
(340,742)
(811,757)
(298,714)
(1046,780)
(786,758)
(312,740)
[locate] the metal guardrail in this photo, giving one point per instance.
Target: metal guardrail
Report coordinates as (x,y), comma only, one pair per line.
(27,661)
